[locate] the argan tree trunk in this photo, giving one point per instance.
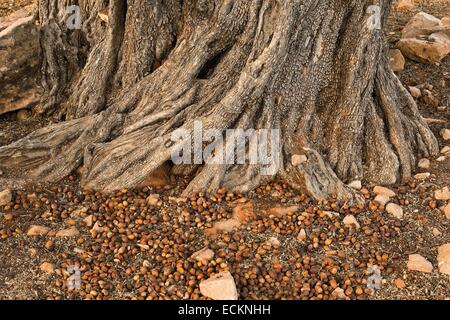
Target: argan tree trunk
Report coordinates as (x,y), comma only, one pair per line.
(315,69)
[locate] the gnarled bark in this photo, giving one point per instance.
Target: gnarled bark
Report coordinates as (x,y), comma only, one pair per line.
(316,70)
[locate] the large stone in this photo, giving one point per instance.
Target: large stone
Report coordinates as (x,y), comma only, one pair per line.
(5,197)
(19,62)
(444,258)
(418,263)
(219,287)
(425,50)
(396,59)
(420,24)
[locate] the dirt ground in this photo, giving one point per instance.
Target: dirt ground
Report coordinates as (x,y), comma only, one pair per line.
(142,251)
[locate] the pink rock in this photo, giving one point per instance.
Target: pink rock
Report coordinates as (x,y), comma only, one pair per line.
(394,210)
(418,263)
(447,211)
(219,287)
(37,231)
(444,258)
(378,190)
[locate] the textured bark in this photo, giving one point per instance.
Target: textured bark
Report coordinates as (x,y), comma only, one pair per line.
(315,69)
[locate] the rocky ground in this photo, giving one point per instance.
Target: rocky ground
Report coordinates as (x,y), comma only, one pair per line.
(272,243)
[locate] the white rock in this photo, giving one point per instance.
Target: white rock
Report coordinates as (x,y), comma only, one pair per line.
(424,164)
(89,220)
(422,176)
(418,23)
(445,133)
(219,287)
(274,242)
(418,263)
(394,210)
(355,185)
(436,232)
(5,197)
(445,150)
(351,220)
(382,199)
(301,235)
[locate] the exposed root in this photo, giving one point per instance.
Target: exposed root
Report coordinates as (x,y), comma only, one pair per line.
(315,70)
(50,154)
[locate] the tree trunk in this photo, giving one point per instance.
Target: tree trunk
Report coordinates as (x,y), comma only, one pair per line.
(315,69)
